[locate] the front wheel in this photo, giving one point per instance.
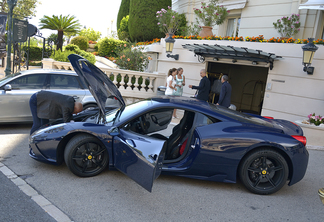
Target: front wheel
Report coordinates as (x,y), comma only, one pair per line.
(264,171)
(85,156)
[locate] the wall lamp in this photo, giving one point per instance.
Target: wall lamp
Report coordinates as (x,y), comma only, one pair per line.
(308,53)
(169,43)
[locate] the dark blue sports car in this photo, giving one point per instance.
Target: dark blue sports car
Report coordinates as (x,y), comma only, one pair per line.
(142,140)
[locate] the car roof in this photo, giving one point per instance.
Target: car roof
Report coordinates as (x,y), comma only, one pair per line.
(47,71)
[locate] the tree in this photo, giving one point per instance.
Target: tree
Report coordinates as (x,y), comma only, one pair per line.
(90,34)
(123,11)
(61,24)
(123,33)
(24,8)
(142,24)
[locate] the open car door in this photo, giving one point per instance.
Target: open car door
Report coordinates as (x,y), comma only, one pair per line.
(139,157)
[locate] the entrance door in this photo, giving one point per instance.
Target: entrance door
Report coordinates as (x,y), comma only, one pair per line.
(248,84)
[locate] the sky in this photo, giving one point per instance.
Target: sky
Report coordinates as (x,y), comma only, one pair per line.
(101,15)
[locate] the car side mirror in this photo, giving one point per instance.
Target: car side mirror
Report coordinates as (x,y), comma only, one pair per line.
(113,131)
(7,87)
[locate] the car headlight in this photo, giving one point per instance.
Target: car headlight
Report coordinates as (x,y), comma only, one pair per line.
(50,129)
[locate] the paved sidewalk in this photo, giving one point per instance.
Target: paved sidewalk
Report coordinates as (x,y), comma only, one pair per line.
(20,202)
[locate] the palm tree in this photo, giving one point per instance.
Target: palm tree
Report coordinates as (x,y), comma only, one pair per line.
(61,24)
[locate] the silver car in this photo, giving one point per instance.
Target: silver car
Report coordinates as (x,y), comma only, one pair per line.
(16,90)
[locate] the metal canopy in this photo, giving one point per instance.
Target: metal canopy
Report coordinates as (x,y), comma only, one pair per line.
(230,52)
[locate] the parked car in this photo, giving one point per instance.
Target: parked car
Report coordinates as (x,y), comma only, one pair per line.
(210,142)
(16,90)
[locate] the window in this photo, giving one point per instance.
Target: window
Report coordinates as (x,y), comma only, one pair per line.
(64,82)
(29,82)
(233,26)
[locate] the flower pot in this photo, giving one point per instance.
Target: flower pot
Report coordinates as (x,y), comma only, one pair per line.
(206,31)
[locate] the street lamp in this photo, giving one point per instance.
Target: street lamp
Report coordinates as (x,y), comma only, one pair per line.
(169,43)
(308,53)
(11,5)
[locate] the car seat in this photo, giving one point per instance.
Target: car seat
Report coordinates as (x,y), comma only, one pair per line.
(179,132)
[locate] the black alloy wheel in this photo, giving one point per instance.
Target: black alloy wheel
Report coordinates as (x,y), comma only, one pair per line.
(85,156)
(264,171)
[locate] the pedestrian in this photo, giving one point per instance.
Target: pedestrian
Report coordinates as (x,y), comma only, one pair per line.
(45,105)
(204,86)
(225,94)
(180,82)
(170,82)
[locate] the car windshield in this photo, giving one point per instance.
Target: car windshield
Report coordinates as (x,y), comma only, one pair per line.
(239,116)
(5,79)
(128,111)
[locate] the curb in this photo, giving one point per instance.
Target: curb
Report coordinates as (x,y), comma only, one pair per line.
(315,147)
(46,205)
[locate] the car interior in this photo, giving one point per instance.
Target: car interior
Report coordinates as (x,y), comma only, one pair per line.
(159,124)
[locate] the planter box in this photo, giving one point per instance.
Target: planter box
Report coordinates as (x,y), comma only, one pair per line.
(314,134)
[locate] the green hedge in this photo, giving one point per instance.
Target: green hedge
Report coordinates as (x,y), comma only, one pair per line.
(123,11)
(142,23)
(35,52)
(108,47)
(63,56)
(80,41)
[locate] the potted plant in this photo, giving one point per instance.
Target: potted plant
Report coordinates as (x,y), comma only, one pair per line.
(288,26)
(168,20)
(210,14)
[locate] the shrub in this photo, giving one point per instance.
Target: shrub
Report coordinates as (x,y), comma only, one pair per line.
(72,47)
(123,33)
(108,47)
(35,52)
(132,59)
(63,56)
(80,41)
(90,34)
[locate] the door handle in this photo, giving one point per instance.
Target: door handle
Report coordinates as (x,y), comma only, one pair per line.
(193,146)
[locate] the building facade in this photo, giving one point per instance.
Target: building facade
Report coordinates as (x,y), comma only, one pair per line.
(255,17)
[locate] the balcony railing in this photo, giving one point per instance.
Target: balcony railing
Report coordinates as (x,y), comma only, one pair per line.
(129,83)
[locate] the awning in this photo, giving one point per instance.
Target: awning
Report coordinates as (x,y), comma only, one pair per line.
(233,4)
(230,52)
(313,4)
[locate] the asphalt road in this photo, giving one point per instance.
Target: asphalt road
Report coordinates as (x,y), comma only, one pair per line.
(111,196)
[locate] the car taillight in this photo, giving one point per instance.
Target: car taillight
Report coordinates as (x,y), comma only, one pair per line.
(268,117)
(301,139)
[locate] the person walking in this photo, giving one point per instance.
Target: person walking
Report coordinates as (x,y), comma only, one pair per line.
(45,105)
(204,86)
(180,82)
(225,94)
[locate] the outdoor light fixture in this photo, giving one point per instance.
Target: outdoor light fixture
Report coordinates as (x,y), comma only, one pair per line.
(308,53)
(169,43)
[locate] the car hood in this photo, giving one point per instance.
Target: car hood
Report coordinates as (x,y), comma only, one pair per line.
(100,86)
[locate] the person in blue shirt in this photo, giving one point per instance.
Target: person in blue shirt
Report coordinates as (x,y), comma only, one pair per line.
(225,94)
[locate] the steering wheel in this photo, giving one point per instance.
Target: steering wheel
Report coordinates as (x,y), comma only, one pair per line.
(143,124)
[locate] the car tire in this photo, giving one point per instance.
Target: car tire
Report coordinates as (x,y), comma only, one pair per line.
(85,156)
(264,171)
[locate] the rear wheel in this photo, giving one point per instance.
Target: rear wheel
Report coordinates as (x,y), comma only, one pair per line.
(85,156)
(264,171)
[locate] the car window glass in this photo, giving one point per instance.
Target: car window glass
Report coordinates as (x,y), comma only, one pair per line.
(64,82)
(203,120)
(29,82)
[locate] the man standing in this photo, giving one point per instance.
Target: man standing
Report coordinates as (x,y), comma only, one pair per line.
(204,86)
(45,105)
(225,94)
